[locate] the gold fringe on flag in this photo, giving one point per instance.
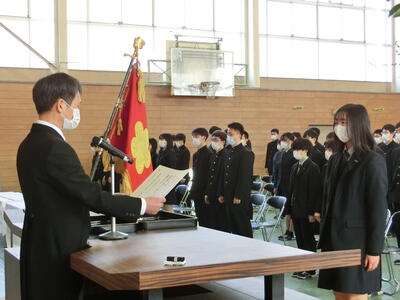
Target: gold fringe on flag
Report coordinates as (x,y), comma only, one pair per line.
(141,88)
(125,186)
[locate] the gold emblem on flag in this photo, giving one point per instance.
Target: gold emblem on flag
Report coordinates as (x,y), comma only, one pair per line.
(140,148)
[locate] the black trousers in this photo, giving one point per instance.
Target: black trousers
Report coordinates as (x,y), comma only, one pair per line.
(238,218)
(304,231)
(396,222)
(201,211)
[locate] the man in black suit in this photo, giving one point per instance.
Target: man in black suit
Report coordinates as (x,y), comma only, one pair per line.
(315,154)
(58,195)
(201,163)
(235,187)
(394,194)
(271,150)
(304,193)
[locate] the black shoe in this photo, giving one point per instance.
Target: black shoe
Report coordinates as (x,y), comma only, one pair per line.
(296,274)
(397,262)
(304,275)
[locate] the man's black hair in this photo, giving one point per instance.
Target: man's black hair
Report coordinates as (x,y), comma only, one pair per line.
(302,144)
(200,131)
(237,126)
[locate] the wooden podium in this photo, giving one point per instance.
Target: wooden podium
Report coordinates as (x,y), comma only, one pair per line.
(137,263)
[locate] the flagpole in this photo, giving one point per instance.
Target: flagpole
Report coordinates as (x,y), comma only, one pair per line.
(116,108)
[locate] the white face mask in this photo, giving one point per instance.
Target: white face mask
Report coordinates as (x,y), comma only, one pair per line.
(178,144)
(196,142)
(328,155)
(216,146)
(279,147)
(341,133)
(284,145)
(397,138)
(162,143)
(299,156)
(387,138)
(244,143)
(230,140)
(72,124)
(378,140)
(274,137)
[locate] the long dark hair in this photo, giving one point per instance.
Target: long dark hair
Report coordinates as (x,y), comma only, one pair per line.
(168,138)
(358,128)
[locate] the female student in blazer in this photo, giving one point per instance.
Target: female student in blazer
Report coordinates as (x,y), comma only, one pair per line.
(354,205)
(167,158)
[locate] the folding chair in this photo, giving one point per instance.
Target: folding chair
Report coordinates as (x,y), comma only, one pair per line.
(276,202)
(183,207)
(266,178)
(390,285)
(258,200)
(256,186)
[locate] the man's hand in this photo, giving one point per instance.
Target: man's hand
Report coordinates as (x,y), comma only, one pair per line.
(236,201)
(371,262)
(221,199)
(154,205)
(206,200)
(311,219)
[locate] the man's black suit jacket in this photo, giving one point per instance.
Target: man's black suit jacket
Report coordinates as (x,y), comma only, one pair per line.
(58,196)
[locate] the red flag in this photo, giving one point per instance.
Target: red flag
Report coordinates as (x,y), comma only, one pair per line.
(130,133)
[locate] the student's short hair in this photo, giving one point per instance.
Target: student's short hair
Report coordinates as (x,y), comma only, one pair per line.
(180,137)
(219,134)
(168,138)
(330,136)
(49,89)
(389,127)
(200,131)
(296,135)
(302,144)
(246,134)
(237,126)
(275,130)
(153,143)
(378,131)
(397,125)
(287,136)
(213,128)
(330,144)
(311,133)
(317,130)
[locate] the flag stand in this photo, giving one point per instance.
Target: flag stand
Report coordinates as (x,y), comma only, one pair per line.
(113,234)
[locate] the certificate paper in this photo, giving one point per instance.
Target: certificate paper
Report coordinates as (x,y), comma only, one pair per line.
(160,182)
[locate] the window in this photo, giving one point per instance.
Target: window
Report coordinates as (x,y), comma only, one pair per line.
(326,39)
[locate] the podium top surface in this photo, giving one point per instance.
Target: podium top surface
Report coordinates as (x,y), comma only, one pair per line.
(137,263)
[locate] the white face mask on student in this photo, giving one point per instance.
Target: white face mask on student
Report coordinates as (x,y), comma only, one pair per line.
(74,122)
(396,138)
(196,142)
(162,144)
(299,155)
(284,145)
(216,146)
(274,137)
(341,133)
(378,140)
(328,154)
(279,147)
(178,144)
(387,138)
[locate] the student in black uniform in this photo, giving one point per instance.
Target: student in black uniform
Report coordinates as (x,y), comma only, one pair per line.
(378,137)
(389,145)
(271,150)
(316,155)
(210,132)
(296,135)
(246,141)
(354,205)
(305,190)
(201,163)
(153,151)
(287,162)
(216,211)
(318,145)
(182,155)
(167,158)
(235,187)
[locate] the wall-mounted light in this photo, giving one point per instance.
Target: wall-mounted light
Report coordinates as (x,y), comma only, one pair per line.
(297,107)
(378,109)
